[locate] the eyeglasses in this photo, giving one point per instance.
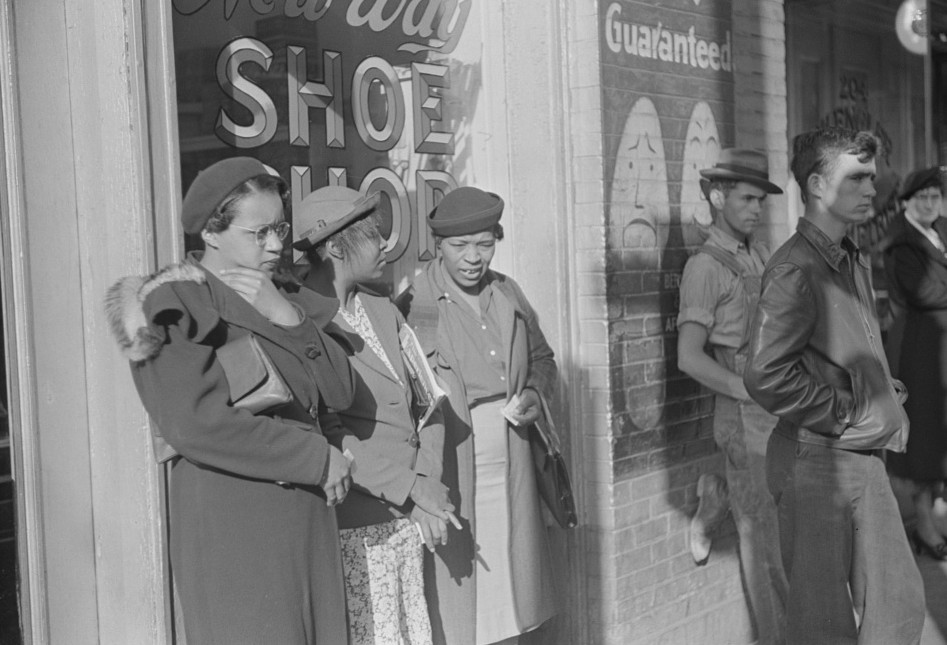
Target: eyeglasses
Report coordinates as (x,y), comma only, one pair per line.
(263,233)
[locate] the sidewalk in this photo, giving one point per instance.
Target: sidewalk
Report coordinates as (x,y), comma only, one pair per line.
(935,588)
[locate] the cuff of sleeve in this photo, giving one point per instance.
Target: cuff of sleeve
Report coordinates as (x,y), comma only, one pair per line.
(702,317)
(401,490)
(845,412)
(301,321)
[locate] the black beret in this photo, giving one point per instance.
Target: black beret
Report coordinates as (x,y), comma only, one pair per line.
(919,180)
(212,185)
(465,210)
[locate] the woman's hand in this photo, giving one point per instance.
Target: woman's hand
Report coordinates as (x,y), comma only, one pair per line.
(258,289)
(338,477)
(431,496)
(528,410)
(433,529)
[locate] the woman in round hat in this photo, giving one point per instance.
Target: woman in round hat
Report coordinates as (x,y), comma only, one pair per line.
(253,536)
(915,258)
(397,502)
(493,581)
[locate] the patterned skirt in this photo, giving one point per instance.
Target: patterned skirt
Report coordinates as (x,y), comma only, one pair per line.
(384,584)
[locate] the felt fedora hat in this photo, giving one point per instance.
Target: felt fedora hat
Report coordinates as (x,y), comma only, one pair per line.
(464,211)
(918,180)
(740,164)
(211,187)
(327,211)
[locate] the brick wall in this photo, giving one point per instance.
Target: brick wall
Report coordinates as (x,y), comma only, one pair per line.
(759,41)
(662,119)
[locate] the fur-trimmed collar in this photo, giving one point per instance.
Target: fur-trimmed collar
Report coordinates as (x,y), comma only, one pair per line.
(124,308)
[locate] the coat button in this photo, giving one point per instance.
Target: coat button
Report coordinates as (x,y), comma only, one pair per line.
(414,441)
(313,352)
(314,411)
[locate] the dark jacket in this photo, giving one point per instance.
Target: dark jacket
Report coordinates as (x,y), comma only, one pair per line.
(916,273)
(816,359)
(254,560)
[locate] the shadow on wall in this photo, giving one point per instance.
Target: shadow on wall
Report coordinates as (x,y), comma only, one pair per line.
(662,437)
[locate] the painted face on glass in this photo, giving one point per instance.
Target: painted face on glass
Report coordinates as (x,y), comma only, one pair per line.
(467,258)
(367,261)
(847,188)
(237,245)
(925,205)
(739,210)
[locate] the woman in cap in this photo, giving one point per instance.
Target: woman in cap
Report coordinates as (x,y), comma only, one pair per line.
(397,502)
(915,257)
(493,581)
(253,536)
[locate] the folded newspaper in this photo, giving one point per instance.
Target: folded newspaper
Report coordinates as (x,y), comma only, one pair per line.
(428,392)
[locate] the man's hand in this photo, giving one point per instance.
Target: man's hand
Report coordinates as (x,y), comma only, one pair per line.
(337,479)
(431,496)
(528,409)
(433,529)
(258,289)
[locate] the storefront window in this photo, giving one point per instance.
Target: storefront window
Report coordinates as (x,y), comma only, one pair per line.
(373,94)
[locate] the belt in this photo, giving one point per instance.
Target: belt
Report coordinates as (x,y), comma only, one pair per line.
(868,453)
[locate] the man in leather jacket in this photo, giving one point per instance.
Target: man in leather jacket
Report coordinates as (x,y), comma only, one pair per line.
(816,362)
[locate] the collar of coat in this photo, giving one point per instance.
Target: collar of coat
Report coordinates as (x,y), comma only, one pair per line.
(141,338)
(833,254)
(125,310)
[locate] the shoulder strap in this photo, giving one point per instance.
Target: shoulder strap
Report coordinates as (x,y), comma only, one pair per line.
(723,258)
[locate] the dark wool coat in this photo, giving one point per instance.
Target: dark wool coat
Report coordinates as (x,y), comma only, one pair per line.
(254,561)
(450,574)
(917,278)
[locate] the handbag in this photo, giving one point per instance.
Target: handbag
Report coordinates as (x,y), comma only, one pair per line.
(552,476)
(255,383)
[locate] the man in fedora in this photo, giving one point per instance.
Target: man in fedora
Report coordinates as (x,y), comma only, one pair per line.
(815,360)
(719,290)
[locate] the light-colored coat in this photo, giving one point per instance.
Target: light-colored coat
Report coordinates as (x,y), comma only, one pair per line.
(253,560)
(450,574)
(378,427)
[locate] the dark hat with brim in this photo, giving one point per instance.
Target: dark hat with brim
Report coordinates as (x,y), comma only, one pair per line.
(738,164)
(212,185)
(918,180)
(464,211)
(327,211)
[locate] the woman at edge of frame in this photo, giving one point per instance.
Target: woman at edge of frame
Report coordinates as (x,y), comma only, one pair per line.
(253,543)
(494,580)
(915,262)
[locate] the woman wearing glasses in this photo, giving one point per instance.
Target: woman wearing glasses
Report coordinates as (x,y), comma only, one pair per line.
(253,537)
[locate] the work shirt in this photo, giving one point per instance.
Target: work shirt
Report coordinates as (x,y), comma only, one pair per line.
(712,295)
(477,343)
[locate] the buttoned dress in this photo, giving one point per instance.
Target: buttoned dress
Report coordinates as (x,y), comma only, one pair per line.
(254,548)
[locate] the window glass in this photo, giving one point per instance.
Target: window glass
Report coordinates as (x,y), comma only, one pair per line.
(378,95)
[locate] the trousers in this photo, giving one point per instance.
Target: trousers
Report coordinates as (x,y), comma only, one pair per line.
(852,576)
(741,430)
